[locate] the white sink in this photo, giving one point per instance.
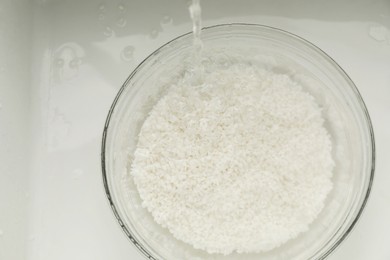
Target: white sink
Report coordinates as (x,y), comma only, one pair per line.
(61,64)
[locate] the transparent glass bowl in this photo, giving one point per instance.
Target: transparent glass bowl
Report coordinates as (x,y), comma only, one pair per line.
(347,121)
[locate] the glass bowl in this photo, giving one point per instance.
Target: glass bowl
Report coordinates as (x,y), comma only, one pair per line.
(346,119)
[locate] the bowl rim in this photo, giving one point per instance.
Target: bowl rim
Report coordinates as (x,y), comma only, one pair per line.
(144,251)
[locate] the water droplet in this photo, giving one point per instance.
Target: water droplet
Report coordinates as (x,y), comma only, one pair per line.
(58,131)
(59,63)
(153,34)
(77,174)
(102,7)
(166,20)
(1,233)
(107,31)
(122,8)
(121,22)
(127,53)
(378,32)
(101,17)
(75,63)
(67,58)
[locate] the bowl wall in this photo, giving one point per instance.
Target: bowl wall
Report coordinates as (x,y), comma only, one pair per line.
(346,119)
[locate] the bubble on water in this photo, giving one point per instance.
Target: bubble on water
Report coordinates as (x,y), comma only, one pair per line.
(166,20)
(121,22)
(59,62)
(107,31)
(153,34)
(122,8)
(127,53)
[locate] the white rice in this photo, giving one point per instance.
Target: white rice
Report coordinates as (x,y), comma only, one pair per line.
(238,163)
